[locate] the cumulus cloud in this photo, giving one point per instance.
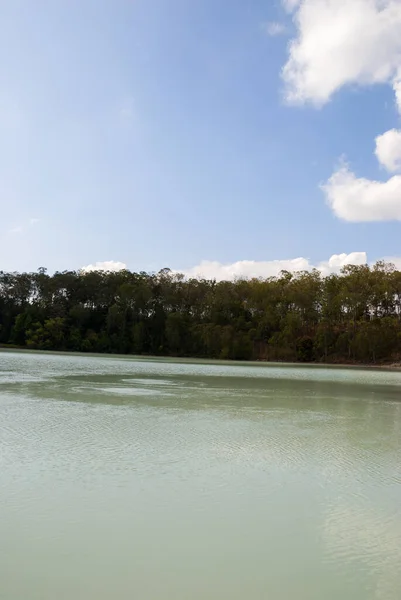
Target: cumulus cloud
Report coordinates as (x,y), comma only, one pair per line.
(388,149)
(337,261)
(274,28)
(342,42)
(250,268)
(107,265)
(339,43)
(358,199)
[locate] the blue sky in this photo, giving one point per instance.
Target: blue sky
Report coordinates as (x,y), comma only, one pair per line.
(159,133)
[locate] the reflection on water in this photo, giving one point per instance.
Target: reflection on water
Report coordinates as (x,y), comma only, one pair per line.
(163,479)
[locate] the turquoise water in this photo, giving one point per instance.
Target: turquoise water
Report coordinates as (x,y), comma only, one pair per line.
(153,479)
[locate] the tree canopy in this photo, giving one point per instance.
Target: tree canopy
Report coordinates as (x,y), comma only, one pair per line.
(354,316)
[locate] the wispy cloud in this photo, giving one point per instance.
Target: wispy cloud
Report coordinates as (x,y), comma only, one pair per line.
(274,28)
(25,226)
(291,5)
(17,229)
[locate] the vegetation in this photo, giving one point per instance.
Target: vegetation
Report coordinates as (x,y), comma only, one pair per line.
(351,317)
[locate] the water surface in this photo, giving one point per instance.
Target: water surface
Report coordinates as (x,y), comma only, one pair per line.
(157,479)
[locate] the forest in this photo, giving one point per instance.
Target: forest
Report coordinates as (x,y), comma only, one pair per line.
(350,317)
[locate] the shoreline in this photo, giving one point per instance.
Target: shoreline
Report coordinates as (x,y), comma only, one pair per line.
(391,366)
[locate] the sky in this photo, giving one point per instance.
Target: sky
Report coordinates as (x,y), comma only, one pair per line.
(219,138)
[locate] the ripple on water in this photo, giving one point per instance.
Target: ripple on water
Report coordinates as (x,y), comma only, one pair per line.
(150,381)
(186,469)
(129,391)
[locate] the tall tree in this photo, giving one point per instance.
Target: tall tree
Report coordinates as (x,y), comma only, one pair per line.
(352,316)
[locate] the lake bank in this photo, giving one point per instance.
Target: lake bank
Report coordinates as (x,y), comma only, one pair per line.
(340,364)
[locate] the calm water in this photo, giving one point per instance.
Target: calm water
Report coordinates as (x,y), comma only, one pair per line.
(158,480)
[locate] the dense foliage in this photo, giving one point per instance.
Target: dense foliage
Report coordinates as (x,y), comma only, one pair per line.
(354,316)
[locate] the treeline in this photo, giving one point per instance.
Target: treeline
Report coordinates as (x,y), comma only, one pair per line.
(352,317)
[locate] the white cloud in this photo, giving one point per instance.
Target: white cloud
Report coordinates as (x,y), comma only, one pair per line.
(359,199)
(388,149)
(395,260)
(251,268)
(107,265)
(274,28)
(337,261)
(342,42)
(248,269)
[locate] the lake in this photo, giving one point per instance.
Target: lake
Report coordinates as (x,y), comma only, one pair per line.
(158,479)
